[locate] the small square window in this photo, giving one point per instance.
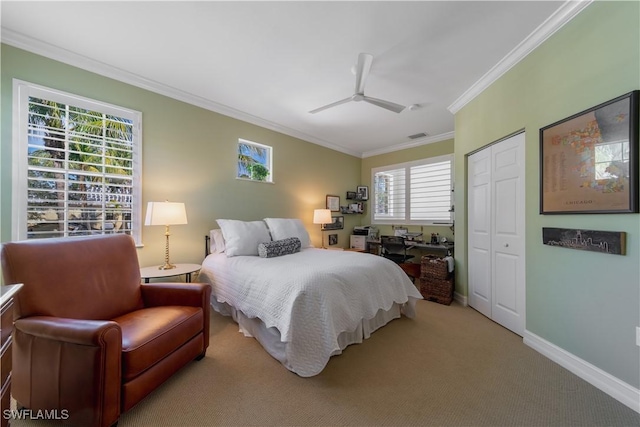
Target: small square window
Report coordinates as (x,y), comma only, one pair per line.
(254,161)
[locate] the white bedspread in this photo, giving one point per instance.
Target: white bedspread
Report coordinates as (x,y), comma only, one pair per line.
(310,296)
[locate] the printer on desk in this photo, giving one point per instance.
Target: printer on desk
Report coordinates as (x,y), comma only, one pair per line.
(361,235)
(361,230)
(366,230)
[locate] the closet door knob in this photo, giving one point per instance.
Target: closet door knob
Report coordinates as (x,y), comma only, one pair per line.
(506,245)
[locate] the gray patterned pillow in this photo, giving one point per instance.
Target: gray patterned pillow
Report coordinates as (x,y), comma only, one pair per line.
(275,248)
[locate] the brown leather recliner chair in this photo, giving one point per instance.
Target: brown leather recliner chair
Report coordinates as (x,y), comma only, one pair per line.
(89,338)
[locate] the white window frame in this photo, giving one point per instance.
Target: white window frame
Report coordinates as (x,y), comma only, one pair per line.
(268,164)
(406,219)
(22,91)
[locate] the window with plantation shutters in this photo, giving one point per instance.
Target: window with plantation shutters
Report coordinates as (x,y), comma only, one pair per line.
(389,194)
(418,192)
(76,166)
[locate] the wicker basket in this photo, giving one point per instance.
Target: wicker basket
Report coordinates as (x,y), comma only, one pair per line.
(434,267)
(438,290)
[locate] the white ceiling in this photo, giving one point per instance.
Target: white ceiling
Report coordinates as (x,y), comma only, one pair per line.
(270,63)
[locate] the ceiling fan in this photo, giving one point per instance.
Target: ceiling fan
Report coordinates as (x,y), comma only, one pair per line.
(362,71)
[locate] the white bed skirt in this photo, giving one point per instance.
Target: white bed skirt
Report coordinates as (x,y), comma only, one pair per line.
(269,338)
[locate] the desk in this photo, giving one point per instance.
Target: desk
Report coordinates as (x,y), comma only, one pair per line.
(443,249)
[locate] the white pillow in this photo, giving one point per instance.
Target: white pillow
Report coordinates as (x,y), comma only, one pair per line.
(282,228)
(243,237)
(216,241)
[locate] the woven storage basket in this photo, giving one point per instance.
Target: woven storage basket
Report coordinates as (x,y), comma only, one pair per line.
(435,267)
(438,290)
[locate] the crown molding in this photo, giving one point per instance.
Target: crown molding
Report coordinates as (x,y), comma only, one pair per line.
(415,143)
(563,15)
(65,56)
(560,17)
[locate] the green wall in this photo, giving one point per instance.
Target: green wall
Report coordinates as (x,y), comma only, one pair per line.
(586,303)
(189,155)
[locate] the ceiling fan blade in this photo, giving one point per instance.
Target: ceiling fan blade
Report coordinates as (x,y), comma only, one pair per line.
(342,101)
(391,106)
(362,71)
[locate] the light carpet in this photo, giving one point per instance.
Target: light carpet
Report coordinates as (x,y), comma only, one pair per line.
(450,366)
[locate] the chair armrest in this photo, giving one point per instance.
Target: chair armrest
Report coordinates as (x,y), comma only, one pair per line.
(72,331)
(185,294)
(54,358)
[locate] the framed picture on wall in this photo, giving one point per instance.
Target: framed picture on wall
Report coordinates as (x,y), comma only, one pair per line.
(333,203)
(337,224)
(362,192)
(589,161)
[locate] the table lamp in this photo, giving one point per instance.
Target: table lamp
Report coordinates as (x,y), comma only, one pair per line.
(166,213)
(322,216)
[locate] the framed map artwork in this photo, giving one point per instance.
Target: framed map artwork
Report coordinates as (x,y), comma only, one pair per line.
(589,161)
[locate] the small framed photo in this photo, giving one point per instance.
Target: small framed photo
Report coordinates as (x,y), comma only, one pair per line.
(333,239)
(363,192)
(351,195)
(337,224)
(333,203)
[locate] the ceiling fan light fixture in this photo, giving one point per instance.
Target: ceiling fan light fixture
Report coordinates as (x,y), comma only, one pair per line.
(362,72)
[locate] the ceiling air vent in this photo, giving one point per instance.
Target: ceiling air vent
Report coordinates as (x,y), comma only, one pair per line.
(418,135)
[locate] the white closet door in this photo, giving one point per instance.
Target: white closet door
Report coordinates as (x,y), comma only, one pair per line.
(496,232)
(479,231)
(508,233)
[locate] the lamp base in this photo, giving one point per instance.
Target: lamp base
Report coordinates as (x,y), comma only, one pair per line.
(167,265)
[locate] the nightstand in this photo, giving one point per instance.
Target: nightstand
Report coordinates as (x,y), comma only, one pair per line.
(154,272)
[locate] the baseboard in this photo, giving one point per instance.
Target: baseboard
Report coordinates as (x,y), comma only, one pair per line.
(462,299)
(619,390)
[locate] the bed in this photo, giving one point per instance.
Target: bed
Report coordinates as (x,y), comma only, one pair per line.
(304,304)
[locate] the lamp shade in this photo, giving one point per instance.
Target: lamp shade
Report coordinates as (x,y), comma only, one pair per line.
(165,213)
(322,216)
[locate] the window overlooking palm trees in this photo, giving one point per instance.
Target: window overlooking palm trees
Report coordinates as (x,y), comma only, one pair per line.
(77,166)
(254,161)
